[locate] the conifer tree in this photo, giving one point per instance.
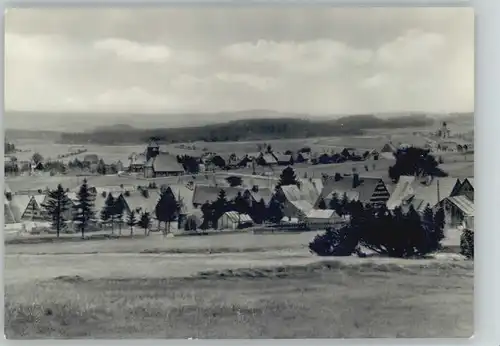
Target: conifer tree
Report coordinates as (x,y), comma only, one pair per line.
(207,210)
(322,204)
(219,207)
(287,177)
(335,204)
(258,211)
(84,207)
(131,221)
(145,222)
(56,206)
(166,209)
(108,211)
(275,211)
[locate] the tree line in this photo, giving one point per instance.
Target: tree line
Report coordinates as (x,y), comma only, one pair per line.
(390,233)
(58,206)
(251,129)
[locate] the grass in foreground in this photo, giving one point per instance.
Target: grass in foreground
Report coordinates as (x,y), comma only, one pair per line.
(323,300)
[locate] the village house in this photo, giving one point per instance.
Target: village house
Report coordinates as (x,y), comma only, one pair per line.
(298,200)
(90,159)
(303,157)
(422,193)
(322,218)
(141,202)
(267,160)
(367,190)
(35,210)
(284,160)
(137,162)
(210,193)
(162,165)
(261,193)
(455,197)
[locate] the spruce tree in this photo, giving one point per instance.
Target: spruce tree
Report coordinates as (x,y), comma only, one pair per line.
(131,221)
(108,211)
(275,211)
(84,207)
(287,177)
(258,211)
(335,204)
(322,204)
(220,206)
(145,222)
(207,210)
(56,206)
(439,224)
(166,209)
(415,238)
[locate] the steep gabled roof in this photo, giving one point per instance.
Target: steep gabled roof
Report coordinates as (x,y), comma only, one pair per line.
(136,201)
(183,195)
(165,163)
(429,192)
(283,158)
(321,214)
(389,148)
(204,193)
(463,203)
(403,188)
(263,193)
(364,190)
(269,158)
(306,192)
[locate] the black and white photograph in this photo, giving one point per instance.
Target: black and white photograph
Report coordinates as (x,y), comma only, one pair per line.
(195,172)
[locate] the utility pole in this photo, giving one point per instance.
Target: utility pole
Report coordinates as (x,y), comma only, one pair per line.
(438,194)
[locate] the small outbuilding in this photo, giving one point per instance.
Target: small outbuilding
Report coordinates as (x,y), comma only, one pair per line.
(320,216)
(233,220)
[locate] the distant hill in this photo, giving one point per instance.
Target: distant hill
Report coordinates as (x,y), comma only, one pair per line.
(248,129)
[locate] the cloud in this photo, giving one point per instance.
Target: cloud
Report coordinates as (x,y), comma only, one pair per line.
(416,61)
(253,81)
(413,47)
(133,51)
(309,56)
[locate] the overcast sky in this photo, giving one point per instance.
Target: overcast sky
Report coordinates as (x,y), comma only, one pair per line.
(313,60)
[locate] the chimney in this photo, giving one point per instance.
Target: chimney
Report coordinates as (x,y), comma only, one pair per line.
(355,180)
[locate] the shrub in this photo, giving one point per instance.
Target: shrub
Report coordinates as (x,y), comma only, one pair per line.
(335,242)
(393,234)
(467,243)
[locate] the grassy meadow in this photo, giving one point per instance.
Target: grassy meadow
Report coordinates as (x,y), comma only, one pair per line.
(320,300)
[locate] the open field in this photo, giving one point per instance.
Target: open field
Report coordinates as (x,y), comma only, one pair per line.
(315,300)
(157,243)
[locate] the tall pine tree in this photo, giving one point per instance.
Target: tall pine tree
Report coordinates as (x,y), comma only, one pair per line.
(84,207)
(275,211)
(439,224)
(131,221)
(287,177)
(220,206)
(322,204)
(167,209)
(258,211)
(145,222)
(56,206)
(108,211)
(118,212)
(207,210)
